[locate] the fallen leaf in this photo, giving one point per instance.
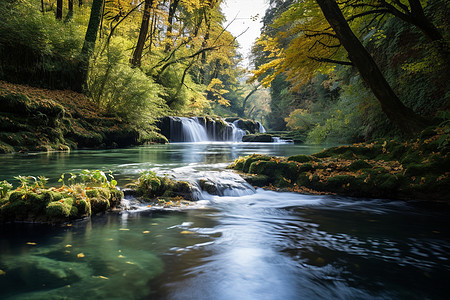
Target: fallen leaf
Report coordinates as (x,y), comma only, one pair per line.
(68,246)
(80,255)
(124,229)
(31,243)
(146,231)
(187,232)
(2,272)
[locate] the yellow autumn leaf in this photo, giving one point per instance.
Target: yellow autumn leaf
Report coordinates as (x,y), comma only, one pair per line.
(80,255)
(146,231)
(31,243)
(187,232)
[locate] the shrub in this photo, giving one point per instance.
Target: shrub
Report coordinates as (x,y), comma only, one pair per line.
(125,91)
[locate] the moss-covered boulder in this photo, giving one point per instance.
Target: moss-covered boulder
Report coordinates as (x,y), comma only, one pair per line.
(99,205)
(415,169)
(59,210)
(257,138)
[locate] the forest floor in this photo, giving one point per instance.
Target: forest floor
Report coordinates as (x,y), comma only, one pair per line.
(36,119)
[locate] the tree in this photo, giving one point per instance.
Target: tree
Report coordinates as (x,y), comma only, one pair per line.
(411,12)
(172,9)
(403,117)
(59,9)
(137,54)
(89,44)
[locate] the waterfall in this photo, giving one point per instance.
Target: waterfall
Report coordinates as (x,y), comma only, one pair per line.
(204,129)
(237,132)
(261,128)
(193,131)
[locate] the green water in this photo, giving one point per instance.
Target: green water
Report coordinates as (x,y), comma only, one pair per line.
(264,245)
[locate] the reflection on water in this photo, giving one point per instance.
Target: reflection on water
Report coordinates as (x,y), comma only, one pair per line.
(265,245)
(129,162)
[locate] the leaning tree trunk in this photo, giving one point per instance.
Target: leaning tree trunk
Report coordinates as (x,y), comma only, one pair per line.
(408,121)
(137,54)
(89,45)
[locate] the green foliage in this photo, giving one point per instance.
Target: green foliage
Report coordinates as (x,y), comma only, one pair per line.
(35,48)
(5,187)
(120,89)
(97,178)
(149,185)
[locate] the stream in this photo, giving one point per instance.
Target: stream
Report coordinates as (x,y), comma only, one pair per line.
(244,244)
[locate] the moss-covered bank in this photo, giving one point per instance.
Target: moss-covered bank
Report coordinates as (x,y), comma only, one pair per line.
(415,169)
(32,202)
(34,119)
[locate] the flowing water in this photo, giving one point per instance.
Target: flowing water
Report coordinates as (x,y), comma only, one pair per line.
(246,244)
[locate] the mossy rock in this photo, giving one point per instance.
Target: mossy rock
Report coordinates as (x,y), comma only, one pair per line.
(208,186)
(276,170)
(252,158)
(339,183)
(359,165)
(305,167)
(301,158)
(6,148)
(59,210)
(92,193)
(83,207)
(257,180)
(14,103)
(351,152)
(115,197)
(386,184)
(99,205)
(183,189)
(257,138)
(149,187)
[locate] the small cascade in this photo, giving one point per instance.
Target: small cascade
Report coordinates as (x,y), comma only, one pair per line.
(237,132)
(193,131)
(261,128)
(203,129)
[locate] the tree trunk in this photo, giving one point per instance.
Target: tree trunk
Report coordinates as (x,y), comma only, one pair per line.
(80,3)
(244,103)
(42,7)
(70,13)
(422,22)
(172,10)
(137,55)
(59,9)
(409,122)
(89,44)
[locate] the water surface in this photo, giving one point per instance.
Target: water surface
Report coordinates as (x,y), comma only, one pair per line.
(264,245)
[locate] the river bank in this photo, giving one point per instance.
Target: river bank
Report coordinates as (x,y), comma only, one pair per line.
(35,119)
(417,169)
